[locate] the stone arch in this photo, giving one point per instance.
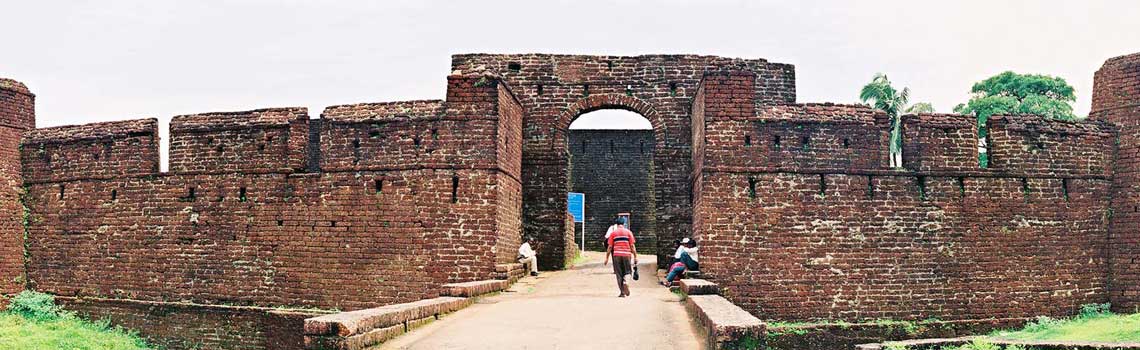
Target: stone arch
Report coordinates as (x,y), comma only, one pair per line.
(613,101)
(646,218)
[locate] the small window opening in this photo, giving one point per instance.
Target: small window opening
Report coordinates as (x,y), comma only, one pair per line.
(962,186)
(1065,189)
(751,187)
(846,143)
(514,66)
(747,140)
(539,90)
(61,189)
(190,193)
(1025,186)
(280,222)
(776,141)
(454,189)
(114,194)
(332,223)
(586,89)
(921,187)
(673,89)
(870,187)
(241,195)
(378,185)
(822,185)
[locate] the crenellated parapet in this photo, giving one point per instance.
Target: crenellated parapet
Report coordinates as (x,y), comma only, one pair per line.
(256,141)
(120,149)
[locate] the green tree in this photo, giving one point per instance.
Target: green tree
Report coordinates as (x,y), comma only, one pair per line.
(1013,93)
(883,96)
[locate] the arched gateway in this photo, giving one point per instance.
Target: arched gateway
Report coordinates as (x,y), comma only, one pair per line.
(555,89)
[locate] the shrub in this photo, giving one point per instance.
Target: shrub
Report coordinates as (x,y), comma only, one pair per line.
(35,306)
(1095,310)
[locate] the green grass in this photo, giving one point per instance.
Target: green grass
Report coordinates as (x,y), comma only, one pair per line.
(1089,326)
(579,260)
(18,332)
(33,321)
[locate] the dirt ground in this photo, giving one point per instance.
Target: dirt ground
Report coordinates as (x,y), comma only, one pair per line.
(572,309)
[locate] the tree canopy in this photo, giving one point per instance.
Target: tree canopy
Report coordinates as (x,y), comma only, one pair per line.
(1013,93)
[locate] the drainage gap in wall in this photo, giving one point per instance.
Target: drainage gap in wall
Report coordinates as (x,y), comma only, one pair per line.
(921,187)
(629,90)
(114,194)
(776,141)
(672,89)
(190,194)
(1065,188)
(1025,186)
(846,143)
(455,189)
(751,187)
(61,189)
(241,195)
(747,140)
(539,88)
(280,222)
(822,184)
(962,186)
(378,185)
(355,151)
(514,66)
(585,89)
(806,142)
(870,187)
(610,65)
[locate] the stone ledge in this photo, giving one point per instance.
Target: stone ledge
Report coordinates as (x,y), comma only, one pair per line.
(727,326)
(474,288)
(511,272)
(351,323)
(694,286)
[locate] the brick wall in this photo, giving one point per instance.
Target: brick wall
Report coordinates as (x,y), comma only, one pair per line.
(799,217)
(612,167)
(409,196)
(553,90)
(1116,99)
(17,115)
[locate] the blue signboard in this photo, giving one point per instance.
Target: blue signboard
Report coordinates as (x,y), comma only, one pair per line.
(576,205)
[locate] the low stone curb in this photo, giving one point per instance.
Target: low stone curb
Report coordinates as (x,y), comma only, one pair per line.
(727,326)
(474,288)
(693,286)
(363,328)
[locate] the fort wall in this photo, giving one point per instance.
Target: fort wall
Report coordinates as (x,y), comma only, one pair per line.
(407,196)
(801,218)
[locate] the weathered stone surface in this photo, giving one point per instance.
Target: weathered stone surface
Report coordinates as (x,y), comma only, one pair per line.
(693,286)
(474,288)
(727,325)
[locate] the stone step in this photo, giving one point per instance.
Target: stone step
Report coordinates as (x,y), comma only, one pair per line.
(474,288)
(727,325)
(696,286)
(359,329)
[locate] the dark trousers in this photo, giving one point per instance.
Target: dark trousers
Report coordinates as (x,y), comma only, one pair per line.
(690,264)
(622,267)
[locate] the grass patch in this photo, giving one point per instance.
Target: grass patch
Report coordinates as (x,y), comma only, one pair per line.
(33,321)
(580,259)
(1095,324)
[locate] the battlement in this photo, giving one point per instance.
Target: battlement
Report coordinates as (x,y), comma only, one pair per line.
(255,141)
(90,151)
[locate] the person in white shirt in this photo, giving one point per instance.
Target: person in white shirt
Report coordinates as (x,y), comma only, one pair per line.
(624,221)
(687,254)
(527,256)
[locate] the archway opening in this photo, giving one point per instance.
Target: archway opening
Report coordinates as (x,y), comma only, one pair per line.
(611,161)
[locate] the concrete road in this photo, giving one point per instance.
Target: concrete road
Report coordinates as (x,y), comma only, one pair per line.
(573,309)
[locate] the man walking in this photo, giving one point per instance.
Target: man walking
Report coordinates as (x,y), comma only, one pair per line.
(622,248)
(527,256)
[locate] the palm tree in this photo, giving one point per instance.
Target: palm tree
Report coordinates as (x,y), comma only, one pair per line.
(882,96)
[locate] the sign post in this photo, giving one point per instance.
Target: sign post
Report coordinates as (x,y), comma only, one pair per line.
(576,205)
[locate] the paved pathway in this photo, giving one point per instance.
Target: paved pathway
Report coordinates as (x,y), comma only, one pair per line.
(573,309)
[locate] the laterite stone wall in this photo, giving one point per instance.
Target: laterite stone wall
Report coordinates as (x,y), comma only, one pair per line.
(612,167)
(17,115)
(800,218)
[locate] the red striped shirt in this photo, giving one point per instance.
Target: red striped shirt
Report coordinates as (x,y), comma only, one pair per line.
(622,241)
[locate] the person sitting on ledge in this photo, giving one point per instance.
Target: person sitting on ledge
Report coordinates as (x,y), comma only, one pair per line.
(527,256)
(687,254)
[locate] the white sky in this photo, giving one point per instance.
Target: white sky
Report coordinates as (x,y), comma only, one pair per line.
(110,60)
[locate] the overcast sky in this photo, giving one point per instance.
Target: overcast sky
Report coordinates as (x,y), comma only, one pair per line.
(112,60)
